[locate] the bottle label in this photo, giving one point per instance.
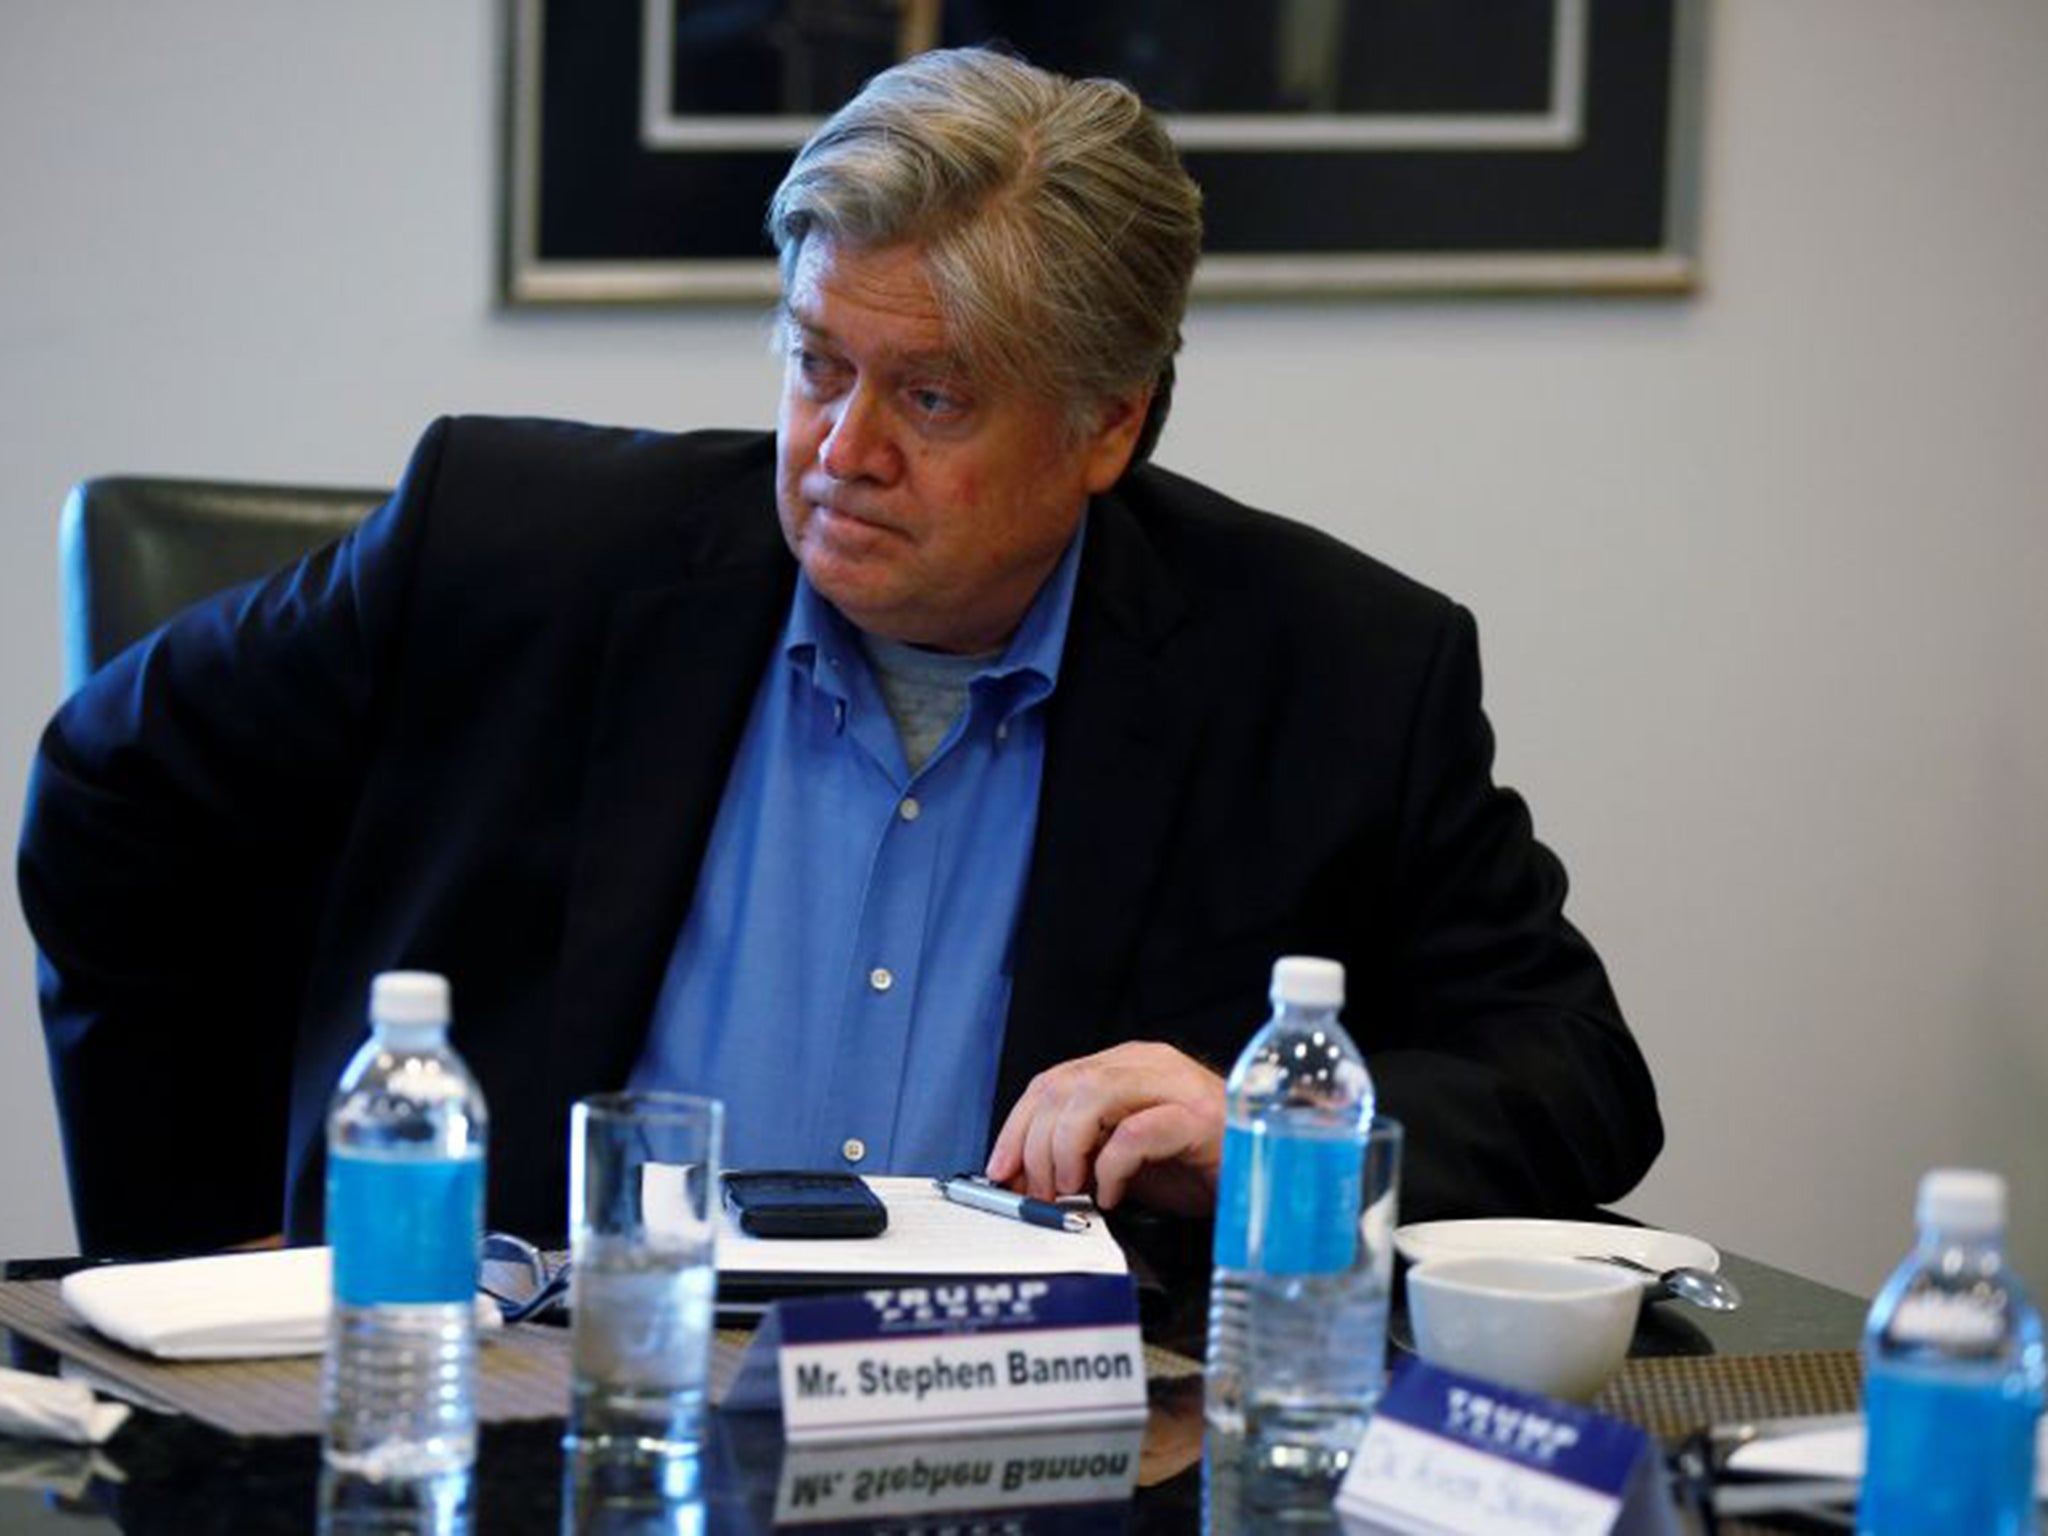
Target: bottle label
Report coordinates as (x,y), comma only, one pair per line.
(404,1229)
(1288,1205)
(1947,1453)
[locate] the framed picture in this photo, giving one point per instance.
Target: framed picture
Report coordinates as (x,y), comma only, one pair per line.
(1343,146)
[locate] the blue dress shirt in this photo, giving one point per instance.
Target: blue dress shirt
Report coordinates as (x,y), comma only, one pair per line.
(843,975)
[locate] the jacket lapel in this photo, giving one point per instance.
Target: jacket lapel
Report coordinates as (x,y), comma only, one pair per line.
(680,671)
(1121,736)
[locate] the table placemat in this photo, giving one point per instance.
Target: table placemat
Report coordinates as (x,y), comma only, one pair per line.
(1675,1395)
(524,1371)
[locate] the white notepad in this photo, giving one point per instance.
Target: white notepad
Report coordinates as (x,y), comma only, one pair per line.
(927,1235)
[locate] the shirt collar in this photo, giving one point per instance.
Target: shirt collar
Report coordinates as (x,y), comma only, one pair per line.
(817,632)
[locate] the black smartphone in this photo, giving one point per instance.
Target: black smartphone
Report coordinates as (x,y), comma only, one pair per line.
(792,1204)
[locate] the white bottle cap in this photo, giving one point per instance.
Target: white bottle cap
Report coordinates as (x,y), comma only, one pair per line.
(1963,1201)
(1307,982)
(416,998)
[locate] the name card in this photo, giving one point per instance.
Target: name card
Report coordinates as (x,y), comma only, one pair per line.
(956,1358)
(857,1483)
(1448,1453)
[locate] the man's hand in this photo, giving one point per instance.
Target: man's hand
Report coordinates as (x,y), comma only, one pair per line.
(1140,1119)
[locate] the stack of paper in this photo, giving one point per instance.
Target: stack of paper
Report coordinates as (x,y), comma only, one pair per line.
(928,1235)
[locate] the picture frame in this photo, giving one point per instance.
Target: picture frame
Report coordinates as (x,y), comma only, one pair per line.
(1375,147)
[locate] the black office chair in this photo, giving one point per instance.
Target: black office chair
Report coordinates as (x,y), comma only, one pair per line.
(138,549)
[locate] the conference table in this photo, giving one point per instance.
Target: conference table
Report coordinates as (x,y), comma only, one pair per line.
(1789,1351)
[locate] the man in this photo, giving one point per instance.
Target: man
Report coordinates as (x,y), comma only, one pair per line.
(982,817)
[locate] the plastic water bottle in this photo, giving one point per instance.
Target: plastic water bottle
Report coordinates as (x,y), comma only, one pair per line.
(1952,1368)
(405,1168)
(1297,1311)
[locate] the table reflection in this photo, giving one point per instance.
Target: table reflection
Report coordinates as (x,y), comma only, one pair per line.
(1246,1490)
(354,1505)
(168,1474)
(613,1492)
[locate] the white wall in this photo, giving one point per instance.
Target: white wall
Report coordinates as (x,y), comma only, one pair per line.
(1757,571)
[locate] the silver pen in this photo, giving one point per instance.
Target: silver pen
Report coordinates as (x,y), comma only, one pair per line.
(971,1189)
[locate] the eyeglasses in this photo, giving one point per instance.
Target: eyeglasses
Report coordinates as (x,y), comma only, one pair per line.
(522,1280)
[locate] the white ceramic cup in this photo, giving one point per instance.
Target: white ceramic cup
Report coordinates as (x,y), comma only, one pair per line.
(1553,1326)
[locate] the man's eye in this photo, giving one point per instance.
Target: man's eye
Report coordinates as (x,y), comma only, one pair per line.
(814,368)
(938,404)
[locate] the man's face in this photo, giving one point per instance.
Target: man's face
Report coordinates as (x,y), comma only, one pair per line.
(926,505)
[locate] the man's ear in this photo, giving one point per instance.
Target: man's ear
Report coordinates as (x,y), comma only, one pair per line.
(1114,437)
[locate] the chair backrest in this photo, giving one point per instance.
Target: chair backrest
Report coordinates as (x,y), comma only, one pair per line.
(136,550)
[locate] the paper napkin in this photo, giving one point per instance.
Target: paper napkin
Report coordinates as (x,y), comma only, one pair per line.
(230,1306)
(44,1408)
(1836,1450)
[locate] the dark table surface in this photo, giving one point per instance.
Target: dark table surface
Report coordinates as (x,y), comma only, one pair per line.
(163,1474)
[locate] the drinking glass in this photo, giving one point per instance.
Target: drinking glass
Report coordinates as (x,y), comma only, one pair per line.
(643,1175)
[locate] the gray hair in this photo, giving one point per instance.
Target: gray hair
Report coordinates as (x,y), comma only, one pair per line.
(1057,224)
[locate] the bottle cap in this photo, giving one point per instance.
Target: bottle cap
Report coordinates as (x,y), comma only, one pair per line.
(414,998)
(1965,1201)
(1308,982)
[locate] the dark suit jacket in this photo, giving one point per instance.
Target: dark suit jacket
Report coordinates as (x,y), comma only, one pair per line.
(487,735)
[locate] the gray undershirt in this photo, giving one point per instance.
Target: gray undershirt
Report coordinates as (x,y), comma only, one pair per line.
(925,691)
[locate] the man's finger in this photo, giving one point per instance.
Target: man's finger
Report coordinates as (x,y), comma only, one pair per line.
(1037,1160)
(1083,1122)
(1007,1155)
(1157,1134)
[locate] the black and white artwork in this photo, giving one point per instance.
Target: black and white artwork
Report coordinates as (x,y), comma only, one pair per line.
(1342,145)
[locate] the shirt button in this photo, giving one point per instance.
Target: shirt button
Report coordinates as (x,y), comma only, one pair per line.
(1003,731)
(839,714)
(853,1149)
(909,810)
(881,979)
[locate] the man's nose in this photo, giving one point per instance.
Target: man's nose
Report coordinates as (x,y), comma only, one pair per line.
(858,446)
